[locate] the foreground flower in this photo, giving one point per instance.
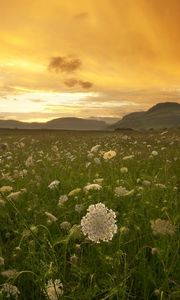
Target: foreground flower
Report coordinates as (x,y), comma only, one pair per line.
(99,223)
(110,154)
(54,289)
(162,227)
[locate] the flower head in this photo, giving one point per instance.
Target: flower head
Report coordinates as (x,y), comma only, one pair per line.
(99,223)
(109,154)
(54,184)
(162,227)
(54,289)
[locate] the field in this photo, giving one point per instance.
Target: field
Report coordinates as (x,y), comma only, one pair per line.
(48,181)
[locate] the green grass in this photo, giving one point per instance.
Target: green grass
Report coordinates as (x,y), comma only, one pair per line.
(123,268)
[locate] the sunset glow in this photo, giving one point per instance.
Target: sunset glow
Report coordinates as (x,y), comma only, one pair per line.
(102,58)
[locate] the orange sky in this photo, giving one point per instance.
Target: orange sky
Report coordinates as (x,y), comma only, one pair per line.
(87,57)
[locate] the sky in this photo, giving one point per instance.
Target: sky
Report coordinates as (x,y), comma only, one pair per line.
(87,58)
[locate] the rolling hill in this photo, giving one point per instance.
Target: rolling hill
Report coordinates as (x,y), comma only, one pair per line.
(160,116)
(60,123)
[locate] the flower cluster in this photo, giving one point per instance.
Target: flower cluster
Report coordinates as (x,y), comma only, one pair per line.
(99,223)
(54,289)
(10,290)
(162,227)
(109,154)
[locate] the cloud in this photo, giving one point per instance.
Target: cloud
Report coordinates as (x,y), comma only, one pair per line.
(72,82)
(64,64)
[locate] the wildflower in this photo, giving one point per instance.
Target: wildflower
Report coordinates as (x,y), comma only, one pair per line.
(65,225)
(62,199)
(124,229)
(99,223)
(122,191)
(74,259)
(1,261)
(154,153)
(6,189)
(146,182)
(9,273)
(160,185)
(124,170)
(54,289)
(154,251)
(29,162)
(74,192)
(93,186)
(87,164)
(14,196)
(55,148)
(98,180)
(10,290)
(162,227)
(95,148)
(109,154)
(128,157)
(79,208)
(54,184)
(51,217)
(97,161)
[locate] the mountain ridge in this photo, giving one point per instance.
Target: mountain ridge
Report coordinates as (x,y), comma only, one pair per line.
(159,116)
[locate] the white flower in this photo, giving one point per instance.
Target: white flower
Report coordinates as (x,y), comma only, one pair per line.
(162,227)
(14,196)
(54,184)
(92,186)
(109,154)
(65,225)
(128,157)
(98,180)
(154,153)
(51,217)
(54,289)
(160,185)
(99,223)
(6,189)
(62,199)
(29,162)
(95,148)
(74,192)
(122,191)
(124,170)
(97,161)
(10,290)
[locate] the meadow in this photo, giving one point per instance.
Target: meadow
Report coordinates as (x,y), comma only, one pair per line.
(48,181)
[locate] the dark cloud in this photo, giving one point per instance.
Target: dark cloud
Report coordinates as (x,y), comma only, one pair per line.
(72,82)
(64,64)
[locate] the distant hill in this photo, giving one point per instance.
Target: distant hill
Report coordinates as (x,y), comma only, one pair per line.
(60,123)
(161,115)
